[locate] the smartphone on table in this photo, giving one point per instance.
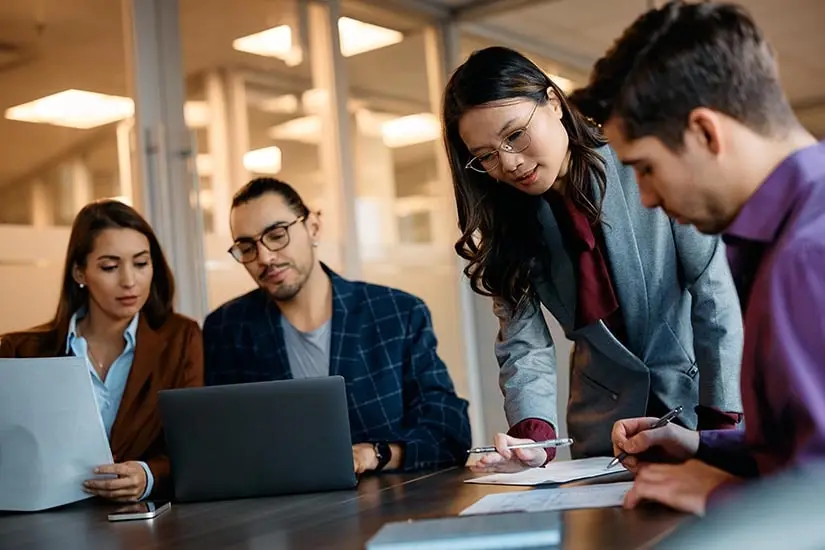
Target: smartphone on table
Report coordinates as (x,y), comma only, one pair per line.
(140,510)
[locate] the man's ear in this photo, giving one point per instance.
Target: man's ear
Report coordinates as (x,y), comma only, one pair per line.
(314,224)
(704,128)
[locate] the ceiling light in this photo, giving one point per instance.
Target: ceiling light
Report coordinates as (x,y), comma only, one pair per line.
(263,161)
(359,37)
(370,123)
(274,42)
(305,130)
(282,104)
(354,37)
(412,129)
(74,109)
(196,114)
(203,165)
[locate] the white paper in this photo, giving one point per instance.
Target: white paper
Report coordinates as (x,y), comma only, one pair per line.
(51,433)
(562,471)
(547,500)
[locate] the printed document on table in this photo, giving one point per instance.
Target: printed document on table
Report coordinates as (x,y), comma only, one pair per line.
(51,433)
(562,471)
(605,495)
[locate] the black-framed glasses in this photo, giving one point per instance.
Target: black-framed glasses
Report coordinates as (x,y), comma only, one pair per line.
(274,238)
(515,142)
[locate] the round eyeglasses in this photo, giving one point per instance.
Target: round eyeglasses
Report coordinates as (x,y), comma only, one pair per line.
(274,238)
(515,142)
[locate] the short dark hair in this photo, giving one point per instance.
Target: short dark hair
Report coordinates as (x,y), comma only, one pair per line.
(260,186)
(683,56)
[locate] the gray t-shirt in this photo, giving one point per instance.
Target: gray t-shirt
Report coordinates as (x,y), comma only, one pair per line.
(308,352)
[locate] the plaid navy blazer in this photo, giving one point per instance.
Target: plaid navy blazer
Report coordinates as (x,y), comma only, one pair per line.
(382,343)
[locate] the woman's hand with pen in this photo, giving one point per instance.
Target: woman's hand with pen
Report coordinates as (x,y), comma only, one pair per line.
(670,443)
(509,460)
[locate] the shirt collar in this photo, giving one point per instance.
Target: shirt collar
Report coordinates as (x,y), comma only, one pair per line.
(761,218)
(130,334)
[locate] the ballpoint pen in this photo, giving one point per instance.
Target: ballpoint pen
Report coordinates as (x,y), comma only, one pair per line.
(535,445)
(662,422)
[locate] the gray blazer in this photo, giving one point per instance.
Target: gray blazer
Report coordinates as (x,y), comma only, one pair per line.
(682,316)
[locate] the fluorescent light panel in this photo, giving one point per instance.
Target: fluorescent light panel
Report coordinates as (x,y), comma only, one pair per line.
(266,160)
(73,109)
(84,109)
(410,130)
(395,131)
(355,37)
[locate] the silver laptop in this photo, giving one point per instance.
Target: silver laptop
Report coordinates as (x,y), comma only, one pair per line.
(258,439)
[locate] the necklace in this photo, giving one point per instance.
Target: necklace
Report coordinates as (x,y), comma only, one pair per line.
(97,365)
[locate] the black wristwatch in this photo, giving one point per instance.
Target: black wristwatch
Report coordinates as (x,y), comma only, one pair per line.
(383,453)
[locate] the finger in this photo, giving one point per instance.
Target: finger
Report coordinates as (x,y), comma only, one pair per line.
(111,484)
(631,498)
(501,442)
(654,473)
(646,439)
(492,458)
(631,463)
(121,469)
(531,457)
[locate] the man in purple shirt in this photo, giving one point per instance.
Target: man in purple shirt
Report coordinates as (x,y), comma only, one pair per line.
(690,97)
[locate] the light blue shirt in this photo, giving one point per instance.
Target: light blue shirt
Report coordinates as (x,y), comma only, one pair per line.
(109,392)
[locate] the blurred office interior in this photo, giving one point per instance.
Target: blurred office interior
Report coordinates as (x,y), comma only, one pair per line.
(171,105)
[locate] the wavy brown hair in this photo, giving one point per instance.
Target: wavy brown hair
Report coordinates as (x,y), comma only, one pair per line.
(500,233)
(93,219)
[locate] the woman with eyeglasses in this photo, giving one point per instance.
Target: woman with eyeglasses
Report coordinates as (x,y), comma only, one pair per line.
(550,218)
(115,311)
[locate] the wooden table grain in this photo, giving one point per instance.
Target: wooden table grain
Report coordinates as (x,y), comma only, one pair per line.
(343,520)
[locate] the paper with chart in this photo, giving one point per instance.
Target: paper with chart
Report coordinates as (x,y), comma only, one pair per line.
(51,433)
(605,495)
(562,471)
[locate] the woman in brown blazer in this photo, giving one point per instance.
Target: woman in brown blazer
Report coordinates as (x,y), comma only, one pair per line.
(116,311)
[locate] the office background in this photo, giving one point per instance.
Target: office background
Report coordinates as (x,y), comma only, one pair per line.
(171,105)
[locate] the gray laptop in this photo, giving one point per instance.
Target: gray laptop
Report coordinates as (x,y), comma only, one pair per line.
(258,439)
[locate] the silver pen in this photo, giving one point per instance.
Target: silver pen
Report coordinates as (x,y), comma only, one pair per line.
(535,445)
(662,422)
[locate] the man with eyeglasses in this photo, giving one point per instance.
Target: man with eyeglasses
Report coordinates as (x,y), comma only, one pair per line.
(305,321)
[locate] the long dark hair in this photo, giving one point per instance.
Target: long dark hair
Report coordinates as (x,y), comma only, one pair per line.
(93,219)
(500,231)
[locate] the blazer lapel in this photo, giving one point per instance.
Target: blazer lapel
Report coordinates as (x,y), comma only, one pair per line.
(623,250)
(344,339)
(148,349)
(559,292)
(276,333)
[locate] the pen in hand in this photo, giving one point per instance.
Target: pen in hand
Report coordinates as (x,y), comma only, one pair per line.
(662,422)
(535,445)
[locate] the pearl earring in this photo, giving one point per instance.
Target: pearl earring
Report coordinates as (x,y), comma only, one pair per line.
(315,244)
(82,286)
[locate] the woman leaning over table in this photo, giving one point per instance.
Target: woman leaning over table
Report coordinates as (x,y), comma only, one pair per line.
(550,217)
(115,310)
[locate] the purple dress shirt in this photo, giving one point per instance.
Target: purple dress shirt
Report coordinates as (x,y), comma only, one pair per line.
(776,250)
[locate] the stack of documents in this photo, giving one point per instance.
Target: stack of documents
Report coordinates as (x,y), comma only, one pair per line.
(563,471)
(51,434)
(498,532)
(605,495)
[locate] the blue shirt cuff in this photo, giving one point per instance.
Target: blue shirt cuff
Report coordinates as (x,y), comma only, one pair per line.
(150,481)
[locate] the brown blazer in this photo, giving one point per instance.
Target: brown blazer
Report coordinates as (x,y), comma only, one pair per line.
(168,357)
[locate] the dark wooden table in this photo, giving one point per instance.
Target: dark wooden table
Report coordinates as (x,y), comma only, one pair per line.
(342,520)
